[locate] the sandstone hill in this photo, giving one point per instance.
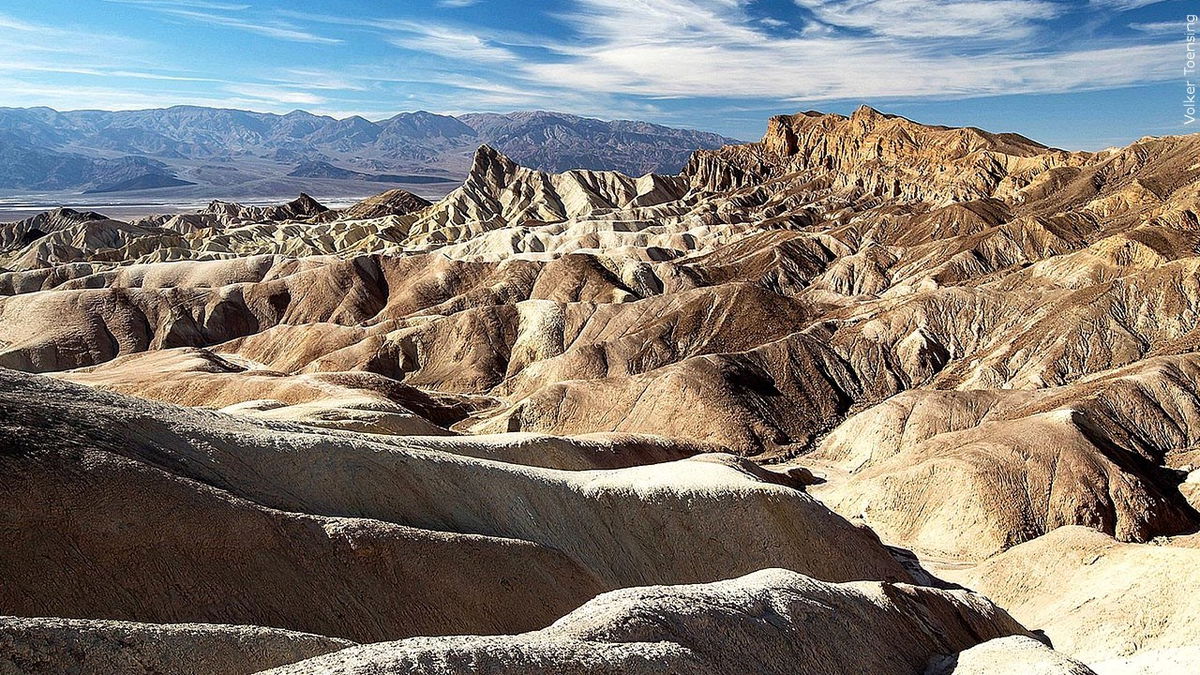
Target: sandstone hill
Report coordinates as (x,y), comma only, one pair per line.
(1119,607)
(319,530)
(862,349)
(773,621)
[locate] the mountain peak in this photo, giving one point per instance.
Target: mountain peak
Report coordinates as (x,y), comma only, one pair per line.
(867,112)
(390,203)
(306,204)
(489,166)
(788,134)
(486,154)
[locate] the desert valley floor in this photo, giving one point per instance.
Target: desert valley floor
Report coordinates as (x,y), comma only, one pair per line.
(866,396)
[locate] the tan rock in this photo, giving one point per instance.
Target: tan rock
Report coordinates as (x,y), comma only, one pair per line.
(773,621)
(1117,607)
(45,645)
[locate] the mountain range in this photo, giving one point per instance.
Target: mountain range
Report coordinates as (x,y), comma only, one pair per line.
(98,151)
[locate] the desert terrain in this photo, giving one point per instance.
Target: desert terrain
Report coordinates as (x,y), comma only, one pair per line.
(864,396)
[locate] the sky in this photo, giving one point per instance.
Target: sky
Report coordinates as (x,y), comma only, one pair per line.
(1078,74)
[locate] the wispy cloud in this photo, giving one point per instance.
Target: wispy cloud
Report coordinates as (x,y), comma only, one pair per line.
(197,4)
(24,36)
(13,24)
(1124,5)
(988,20)
(438,39)
(448,42)
(622,53)
(10,66)
(228,15)
(303,78)
(698,48)
(266,92)
(1159,27)
(276,30)
(138,75)
(113,97)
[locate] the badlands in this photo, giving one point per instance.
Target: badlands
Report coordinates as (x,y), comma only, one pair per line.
(866,396)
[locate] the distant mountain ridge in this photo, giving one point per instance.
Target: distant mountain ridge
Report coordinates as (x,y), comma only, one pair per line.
(318,169)
(46,149)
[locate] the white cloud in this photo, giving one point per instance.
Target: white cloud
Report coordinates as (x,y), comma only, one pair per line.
(987,20)
(622,57)
(304,78)
(212,13)
(274,93)
(13,24)
(712,48)
(448,42)
(23,37)
(1124,5)
(855,49)
(138,75)
(19,92)
(13,67)
(279,31)
(196,4)
(1160,27)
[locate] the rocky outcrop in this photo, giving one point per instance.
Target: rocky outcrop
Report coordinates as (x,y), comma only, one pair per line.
(873,155)
(300,208)
(14,236)
(553,141)
(498,192)
(391,203)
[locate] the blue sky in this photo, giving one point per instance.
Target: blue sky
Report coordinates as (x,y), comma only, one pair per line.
(1077,74)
